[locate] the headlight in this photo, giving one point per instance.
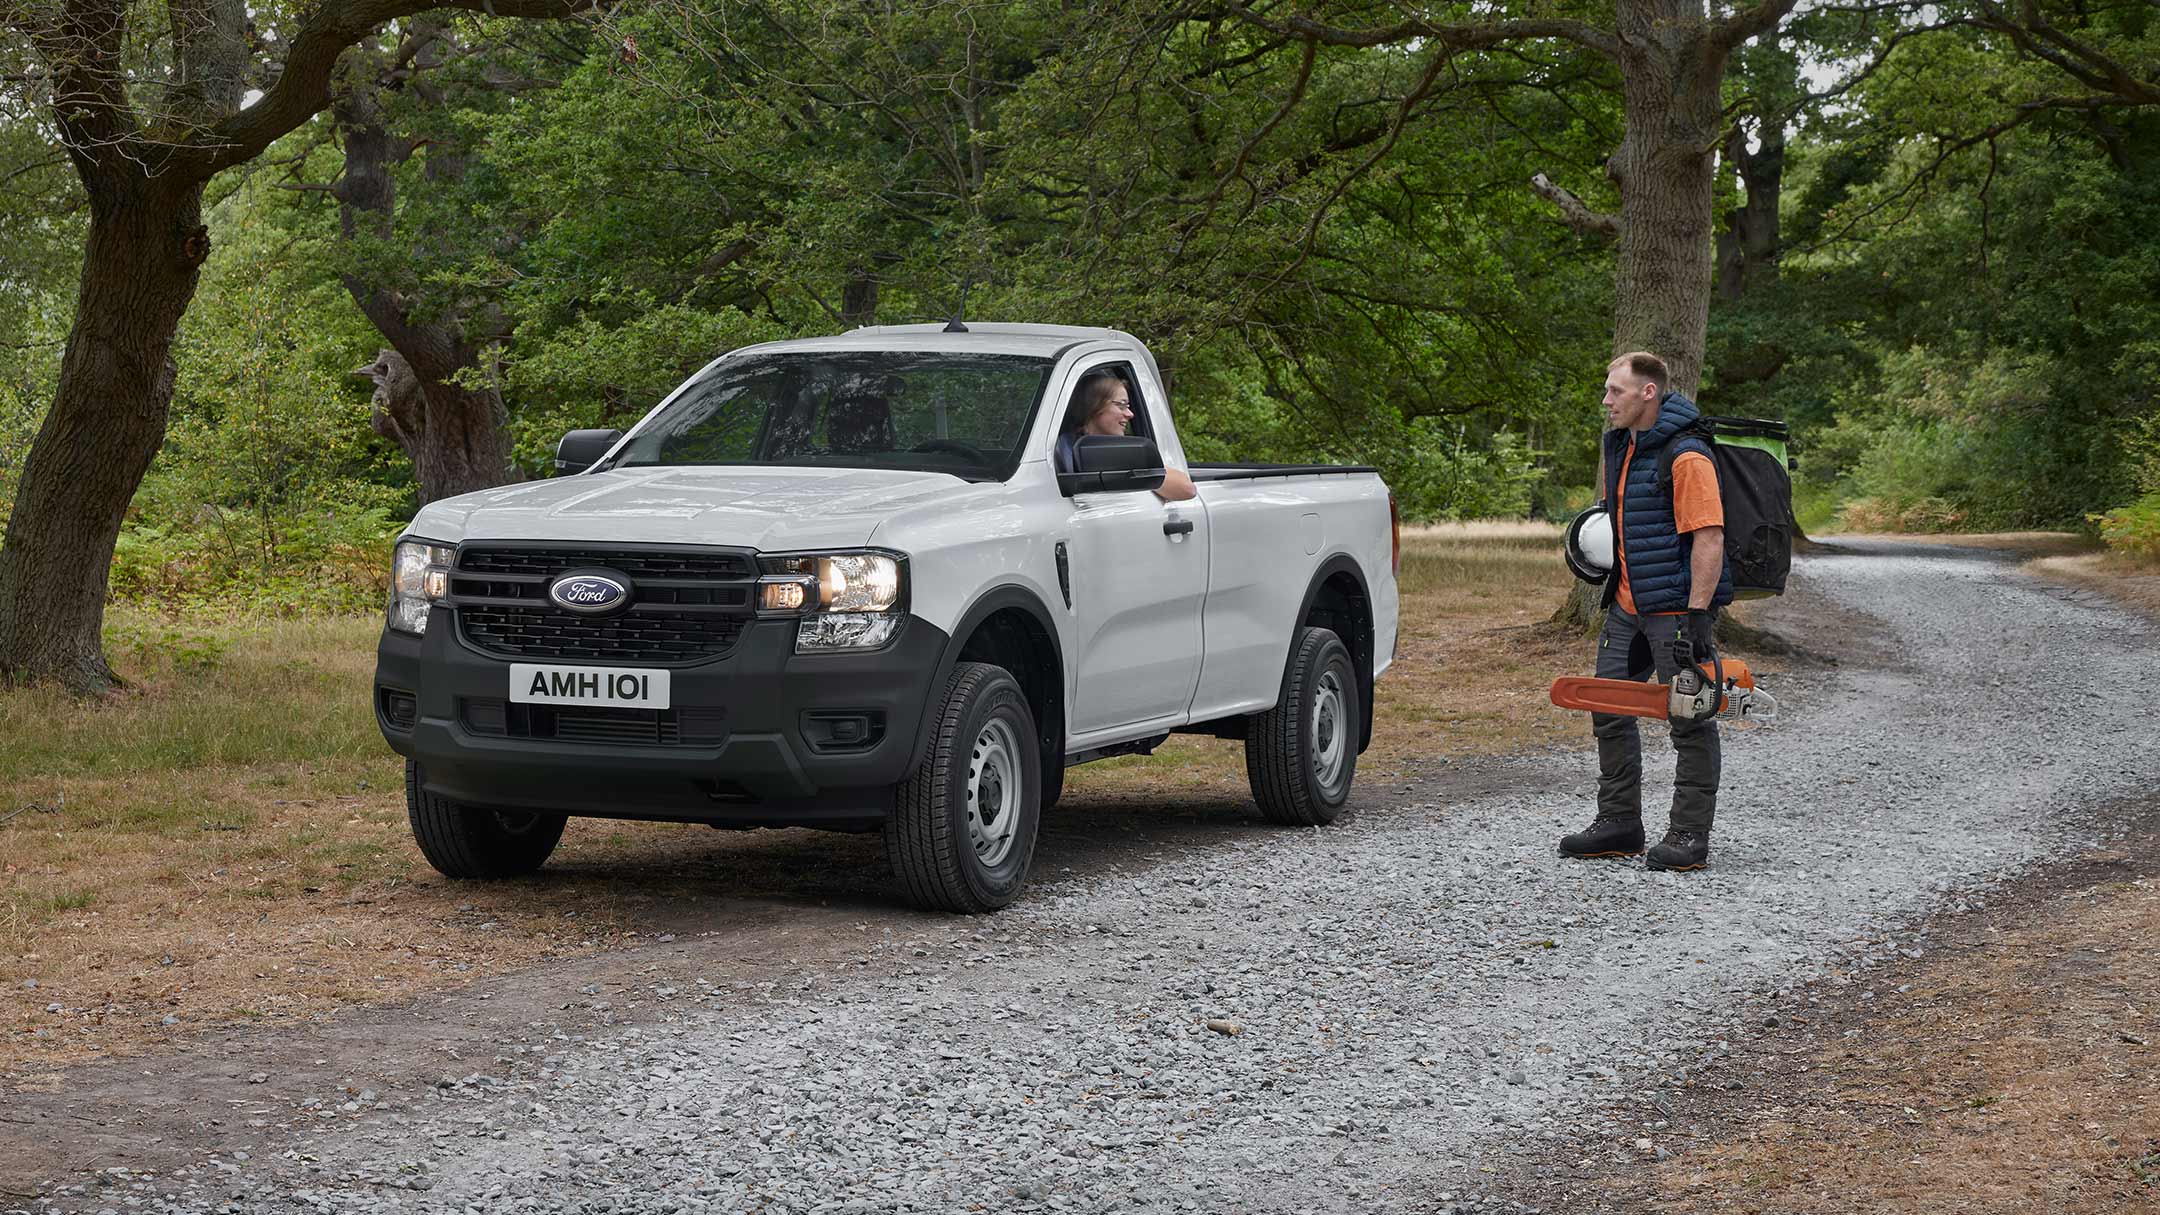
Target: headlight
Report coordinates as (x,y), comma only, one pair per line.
(419,575)
(847,601)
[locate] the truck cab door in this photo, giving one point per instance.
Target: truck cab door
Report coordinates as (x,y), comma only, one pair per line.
(1139,582)
(1139,577)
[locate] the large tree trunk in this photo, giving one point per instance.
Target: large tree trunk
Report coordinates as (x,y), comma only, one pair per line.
(1671,77)
(145,100)
(457,435)
(859,298)
(1747,247)
(140,263)
(458,438)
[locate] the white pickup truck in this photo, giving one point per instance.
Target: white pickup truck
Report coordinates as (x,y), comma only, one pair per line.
(845,583)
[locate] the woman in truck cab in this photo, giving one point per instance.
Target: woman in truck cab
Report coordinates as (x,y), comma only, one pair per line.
(1102,405)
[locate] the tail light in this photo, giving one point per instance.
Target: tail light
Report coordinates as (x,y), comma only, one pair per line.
(1394,522)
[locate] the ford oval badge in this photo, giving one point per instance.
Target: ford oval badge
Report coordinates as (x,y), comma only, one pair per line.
(588,593)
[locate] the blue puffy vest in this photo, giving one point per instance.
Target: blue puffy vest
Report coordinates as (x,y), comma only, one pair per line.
(1657,555)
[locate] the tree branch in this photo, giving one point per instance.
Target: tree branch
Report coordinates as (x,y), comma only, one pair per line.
(302,89)
(2082,61)
(1245,151)
(1572,210)
(1747,23)
(1460,37)
(210,48)
(82,49)
(31,167)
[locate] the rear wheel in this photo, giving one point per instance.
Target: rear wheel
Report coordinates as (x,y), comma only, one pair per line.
(1301,755)
(464,841)
(962,831)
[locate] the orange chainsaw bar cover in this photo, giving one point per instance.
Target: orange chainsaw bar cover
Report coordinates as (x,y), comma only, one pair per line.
(1634,698)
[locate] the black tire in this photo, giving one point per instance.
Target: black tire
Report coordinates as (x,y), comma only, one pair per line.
(1301,768)
(983,748)
(464,841)
(1053,779)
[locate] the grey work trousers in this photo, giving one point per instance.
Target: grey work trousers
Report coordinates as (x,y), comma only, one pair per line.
(1635,647)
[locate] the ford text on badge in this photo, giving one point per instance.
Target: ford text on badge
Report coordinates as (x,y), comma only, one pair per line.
(615,687)
(588,593)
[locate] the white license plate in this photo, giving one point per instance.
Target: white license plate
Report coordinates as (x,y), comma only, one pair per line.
(616,687)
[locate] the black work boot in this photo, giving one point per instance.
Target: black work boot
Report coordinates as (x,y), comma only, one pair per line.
(1609,835)
(1680,851)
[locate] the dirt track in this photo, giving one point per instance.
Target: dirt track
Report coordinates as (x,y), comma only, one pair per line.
(1422,991)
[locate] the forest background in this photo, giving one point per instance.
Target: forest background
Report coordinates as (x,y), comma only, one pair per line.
(1936,251)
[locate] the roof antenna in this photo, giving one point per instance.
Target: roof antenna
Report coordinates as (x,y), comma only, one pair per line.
(956,325)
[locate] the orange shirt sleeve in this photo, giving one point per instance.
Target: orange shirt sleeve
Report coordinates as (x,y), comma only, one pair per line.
(1695,493)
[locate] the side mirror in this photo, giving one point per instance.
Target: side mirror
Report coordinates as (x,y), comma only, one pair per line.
(581,449)
(1112,464)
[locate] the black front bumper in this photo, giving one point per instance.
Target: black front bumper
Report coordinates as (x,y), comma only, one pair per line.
(764,751)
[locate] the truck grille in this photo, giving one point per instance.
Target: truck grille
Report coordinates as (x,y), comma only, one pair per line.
(717,566)
(662,638)
(687,605)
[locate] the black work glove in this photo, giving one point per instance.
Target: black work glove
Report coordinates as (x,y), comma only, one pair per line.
(1699,629)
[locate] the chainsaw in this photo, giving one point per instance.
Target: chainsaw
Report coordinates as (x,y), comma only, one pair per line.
(1720,688)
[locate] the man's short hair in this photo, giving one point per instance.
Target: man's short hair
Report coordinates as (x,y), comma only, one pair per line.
(1645,366)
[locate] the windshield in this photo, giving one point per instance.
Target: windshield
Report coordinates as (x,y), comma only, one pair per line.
(964,414)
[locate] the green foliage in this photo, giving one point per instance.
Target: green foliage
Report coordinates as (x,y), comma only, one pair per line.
(41,230)
(153,643)
(272,495)
(2143,445)
(729,183)
(1943,442)
(2134,529)
(1440,476)
(1966,333)
(592,374)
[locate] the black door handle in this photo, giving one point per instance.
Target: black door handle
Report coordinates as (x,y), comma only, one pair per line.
(1177,527)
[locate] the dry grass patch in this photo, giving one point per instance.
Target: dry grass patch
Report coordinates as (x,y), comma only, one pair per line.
(2016,1075)
(226,840)
(2132,583)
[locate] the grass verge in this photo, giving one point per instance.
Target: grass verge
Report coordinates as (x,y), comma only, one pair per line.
(2010,1072)
(225,840)
(2134,584)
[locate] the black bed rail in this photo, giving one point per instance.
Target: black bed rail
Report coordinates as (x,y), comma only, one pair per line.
(1242,471)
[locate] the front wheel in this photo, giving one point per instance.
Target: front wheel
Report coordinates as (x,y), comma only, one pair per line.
(1300,755)
(962,829)
(464,841)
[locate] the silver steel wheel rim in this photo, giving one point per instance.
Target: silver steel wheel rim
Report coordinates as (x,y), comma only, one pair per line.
(993,792)
(1329,743)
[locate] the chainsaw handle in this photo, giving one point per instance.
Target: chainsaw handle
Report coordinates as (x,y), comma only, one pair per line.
(1684,659)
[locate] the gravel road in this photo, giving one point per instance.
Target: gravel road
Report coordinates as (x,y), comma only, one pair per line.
(1410,994)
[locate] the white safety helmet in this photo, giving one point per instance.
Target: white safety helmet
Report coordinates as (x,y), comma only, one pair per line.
(1589,546)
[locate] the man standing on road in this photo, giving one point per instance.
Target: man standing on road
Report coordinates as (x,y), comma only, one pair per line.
(1669,579)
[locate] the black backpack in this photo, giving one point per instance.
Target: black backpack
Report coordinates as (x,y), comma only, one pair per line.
(1755,484)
